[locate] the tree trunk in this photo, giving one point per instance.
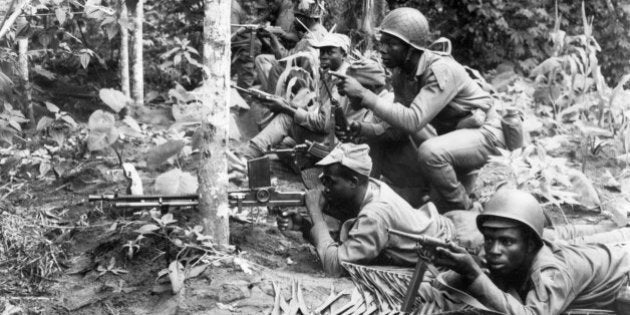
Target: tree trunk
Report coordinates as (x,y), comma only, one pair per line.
(138,70)
(123,21)
(213,179)
(26,84)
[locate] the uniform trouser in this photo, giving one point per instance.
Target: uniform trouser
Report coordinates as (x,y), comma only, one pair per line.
(263,64)
(584,234)
(281,126)
(462,150)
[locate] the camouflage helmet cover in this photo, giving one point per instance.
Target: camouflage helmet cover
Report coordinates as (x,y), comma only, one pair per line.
(408,25)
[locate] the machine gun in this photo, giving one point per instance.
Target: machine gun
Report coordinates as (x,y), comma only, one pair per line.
(262,193)
(425,244)
(164,202)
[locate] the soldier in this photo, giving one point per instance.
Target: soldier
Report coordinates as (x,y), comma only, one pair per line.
(367,207)
(308,27)
(528,274)
(392,150)
(299,124)
(432,88)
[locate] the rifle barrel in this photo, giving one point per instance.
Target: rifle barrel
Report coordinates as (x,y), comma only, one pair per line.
(140,204)
(417,237)
(155,198)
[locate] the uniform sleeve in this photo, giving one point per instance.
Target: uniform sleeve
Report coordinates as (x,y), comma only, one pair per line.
(439,90)
(366,239)
(552,292)
(316,120)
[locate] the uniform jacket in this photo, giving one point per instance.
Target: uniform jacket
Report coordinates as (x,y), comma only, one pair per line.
(440,93)
(365,240)
(561,277)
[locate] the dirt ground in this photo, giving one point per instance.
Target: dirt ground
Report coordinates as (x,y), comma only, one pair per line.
(84,233)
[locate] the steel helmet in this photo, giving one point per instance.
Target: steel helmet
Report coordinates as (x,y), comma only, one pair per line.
(407,24)
(515,206)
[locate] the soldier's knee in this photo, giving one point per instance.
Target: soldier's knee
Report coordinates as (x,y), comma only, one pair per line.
(431,153)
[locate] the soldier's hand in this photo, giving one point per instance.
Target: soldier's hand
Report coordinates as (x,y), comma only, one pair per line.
(277,104)
(349,86)
(315,203)
(457,259)
(289,220)
(349,134)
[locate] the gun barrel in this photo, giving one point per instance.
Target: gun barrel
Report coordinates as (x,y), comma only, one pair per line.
(140,204)
(156,198)
(422,239)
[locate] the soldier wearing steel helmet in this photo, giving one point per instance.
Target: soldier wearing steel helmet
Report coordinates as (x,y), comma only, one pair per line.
(432,88)
(528,274)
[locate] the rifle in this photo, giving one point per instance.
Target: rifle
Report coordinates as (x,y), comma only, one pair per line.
(425,242)
(253,28)
(337,113)
(164,202)
(261,192)
(256,93)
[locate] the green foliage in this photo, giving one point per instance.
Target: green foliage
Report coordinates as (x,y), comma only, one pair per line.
(10,120)
(485,33)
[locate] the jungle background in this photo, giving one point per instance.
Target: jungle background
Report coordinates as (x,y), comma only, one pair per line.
(96,102)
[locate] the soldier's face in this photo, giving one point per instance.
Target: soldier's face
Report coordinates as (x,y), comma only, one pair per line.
(337,189)
(393,51)
(331,58)
(507,250)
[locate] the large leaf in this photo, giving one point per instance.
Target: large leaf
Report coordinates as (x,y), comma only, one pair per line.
(158,155)
(116,100)
(618,209)
(176,275)
(102,130)
(176,182)
(44,123)
(60,13)
(586,194)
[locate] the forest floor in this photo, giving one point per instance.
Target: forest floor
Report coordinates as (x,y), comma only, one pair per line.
(83,266)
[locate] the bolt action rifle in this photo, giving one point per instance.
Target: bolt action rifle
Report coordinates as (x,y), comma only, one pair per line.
(425,243)
(253,29)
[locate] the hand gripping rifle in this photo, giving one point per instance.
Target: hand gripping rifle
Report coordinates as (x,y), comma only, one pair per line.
(424,242)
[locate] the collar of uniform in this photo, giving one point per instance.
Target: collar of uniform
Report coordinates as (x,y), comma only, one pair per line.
(426,60)
(372,189)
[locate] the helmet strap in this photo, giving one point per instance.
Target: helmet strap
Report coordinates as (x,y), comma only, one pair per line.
(413,55)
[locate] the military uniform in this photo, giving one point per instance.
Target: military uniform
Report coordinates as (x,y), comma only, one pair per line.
(311,123)
(442,94)
(561,277)
(365,239)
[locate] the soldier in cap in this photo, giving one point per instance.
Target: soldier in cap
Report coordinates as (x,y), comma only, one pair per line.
(304,123)
(528,274)
(431,88)
(367,207)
